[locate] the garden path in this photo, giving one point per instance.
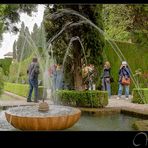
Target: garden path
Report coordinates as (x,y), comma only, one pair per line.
(113,103)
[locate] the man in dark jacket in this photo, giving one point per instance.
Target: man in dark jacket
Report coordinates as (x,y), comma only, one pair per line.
(33,72)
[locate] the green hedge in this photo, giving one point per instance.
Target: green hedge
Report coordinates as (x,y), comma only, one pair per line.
(137,93)
(141,125)
(132,54)
(83,98)
(20,89)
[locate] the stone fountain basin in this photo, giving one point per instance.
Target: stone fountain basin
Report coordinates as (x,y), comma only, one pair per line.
(29,118)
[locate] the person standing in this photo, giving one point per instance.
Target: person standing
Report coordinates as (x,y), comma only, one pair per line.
(53,75)
(106,78)
(33,72)
(88,74)
(59,77)
(123,72)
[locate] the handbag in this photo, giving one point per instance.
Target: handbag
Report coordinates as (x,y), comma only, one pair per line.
(125,81)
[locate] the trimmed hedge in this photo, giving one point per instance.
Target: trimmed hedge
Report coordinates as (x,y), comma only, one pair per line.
(21,89)
(141,125)
(137,93)
(132,54)
(93,98)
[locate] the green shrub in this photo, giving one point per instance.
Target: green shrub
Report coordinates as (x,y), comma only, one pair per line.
(5,64)
(141,125)
(140,95)
(20,89)
(83,98)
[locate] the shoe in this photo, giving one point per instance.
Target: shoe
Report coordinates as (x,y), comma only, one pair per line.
(118,98)
(126,98)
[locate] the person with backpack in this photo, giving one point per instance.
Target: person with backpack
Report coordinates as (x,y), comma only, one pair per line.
(33,72)
(124,80)
(89,74)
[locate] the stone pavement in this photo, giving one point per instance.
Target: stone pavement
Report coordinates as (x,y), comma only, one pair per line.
(113,103)
(19,101)
(123,103)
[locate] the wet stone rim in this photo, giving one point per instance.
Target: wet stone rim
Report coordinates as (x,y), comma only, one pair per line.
(32,111)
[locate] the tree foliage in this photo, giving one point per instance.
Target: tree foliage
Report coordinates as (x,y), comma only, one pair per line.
(116,19)
(14,50)
(138,29)
(90,38)
(25,43)
(10,15)
(21,43)
(126,22)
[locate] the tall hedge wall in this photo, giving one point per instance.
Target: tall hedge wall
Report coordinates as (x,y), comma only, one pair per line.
(135,55)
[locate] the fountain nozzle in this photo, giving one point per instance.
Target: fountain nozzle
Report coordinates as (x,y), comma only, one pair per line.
(43,106)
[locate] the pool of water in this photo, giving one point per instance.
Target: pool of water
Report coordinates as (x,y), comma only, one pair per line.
(115,122)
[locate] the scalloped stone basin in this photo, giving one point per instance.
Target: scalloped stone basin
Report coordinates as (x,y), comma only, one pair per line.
(29,118)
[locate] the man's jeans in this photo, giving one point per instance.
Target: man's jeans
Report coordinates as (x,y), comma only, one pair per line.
(33,83)
(121,89)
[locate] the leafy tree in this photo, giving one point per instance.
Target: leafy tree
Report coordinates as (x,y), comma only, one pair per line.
(91,39)
(27,47)
(20,41)
(2,8)
(10,14)
(116,20)
(41,39)
(24,47)
(126,22)
(138,26)
(14,50)
(34,34)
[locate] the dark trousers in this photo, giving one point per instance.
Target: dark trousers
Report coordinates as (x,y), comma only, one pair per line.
(33,83)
